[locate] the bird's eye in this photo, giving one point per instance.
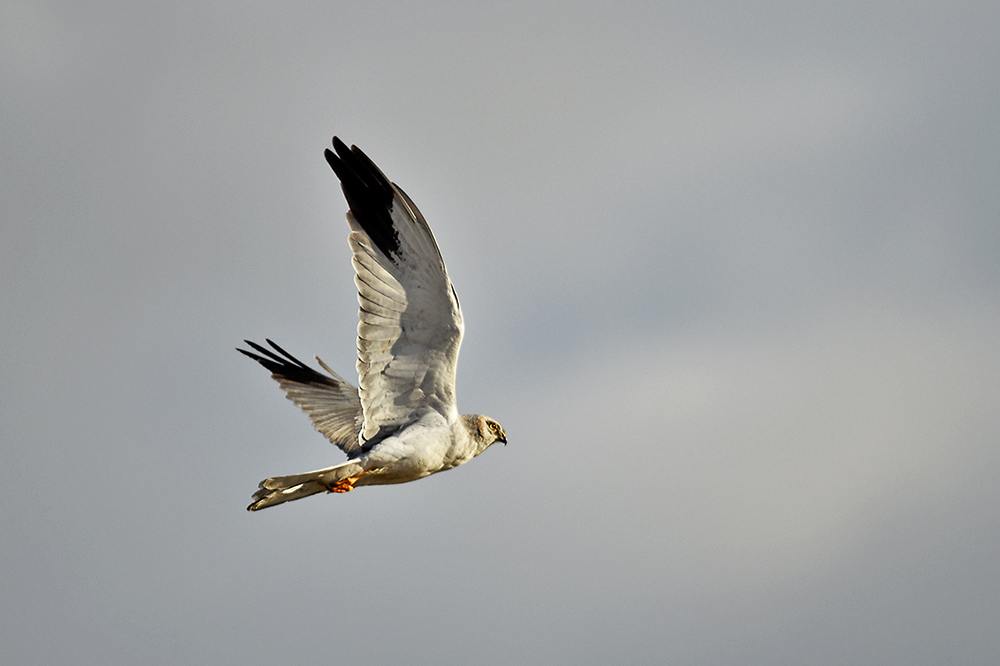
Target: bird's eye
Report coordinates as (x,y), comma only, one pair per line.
(493,426)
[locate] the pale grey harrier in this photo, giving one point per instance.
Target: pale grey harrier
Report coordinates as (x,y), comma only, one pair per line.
(402,424)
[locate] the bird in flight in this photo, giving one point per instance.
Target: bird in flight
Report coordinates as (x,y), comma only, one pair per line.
(401,422)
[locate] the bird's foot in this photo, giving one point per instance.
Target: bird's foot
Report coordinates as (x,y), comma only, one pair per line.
(344,485)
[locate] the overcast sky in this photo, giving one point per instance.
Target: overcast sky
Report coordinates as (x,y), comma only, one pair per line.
(731,282)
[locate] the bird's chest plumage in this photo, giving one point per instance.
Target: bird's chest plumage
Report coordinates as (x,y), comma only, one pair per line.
(424,447)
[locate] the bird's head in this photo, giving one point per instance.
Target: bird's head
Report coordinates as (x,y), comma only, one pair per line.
(490,431)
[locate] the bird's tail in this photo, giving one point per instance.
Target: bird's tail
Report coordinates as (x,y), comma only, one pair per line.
(281,489)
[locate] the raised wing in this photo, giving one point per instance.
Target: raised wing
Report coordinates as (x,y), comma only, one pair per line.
(332,404)
(411,324)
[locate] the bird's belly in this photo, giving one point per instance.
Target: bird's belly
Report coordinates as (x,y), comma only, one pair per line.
(401,470)
(423,448)
(399,461)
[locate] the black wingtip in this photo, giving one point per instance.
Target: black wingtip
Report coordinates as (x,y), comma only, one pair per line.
(284,365)
(340,146)
(368,192)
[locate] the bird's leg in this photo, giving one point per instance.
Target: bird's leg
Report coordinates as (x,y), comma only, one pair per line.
(345,485)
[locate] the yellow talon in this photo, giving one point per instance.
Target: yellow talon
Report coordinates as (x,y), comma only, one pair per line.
(345,485)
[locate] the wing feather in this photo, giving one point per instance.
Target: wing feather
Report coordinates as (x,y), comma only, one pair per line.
(410,323)
(332,404)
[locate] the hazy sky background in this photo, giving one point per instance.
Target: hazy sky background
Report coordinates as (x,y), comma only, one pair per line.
(731,282)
